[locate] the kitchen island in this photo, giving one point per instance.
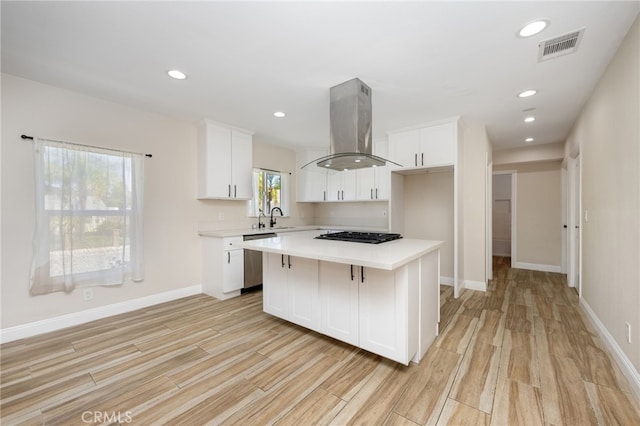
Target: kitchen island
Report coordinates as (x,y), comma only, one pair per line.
(383,298)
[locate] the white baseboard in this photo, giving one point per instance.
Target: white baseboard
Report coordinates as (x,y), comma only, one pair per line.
(619,356)
(536,267)
(56,323)
(446,281)
(475,285)
(502,254)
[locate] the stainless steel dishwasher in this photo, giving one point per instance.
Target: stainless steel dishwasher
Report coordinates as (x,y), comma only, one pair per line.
(253,262)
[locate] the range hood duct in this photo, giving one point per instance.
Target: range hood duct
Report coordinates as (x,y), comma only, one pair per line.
(350,122)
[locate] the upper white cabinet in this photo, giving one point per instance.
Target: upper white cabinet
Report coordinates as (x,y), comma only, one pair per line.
(341,186)
(312,180)
(429,146)
(373,182)
(224,162)
(315,184)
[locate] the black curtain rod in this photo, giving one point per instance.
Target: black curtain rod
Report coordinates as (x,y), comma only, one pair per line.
(89,146)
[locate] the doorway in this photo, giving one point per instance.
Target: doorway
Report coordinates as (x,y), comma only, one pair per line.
(503,214)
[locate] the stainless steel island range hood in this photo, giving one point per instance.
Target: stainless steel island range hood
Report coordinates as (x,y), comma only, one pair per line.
(350,122)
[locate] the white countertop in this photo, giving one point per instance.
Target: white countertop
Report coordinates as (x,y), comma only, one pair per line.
(389,255)
(224,233)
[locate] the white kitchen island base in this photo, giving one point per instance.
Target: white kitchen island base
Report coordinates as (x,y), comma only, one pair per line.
(391,310)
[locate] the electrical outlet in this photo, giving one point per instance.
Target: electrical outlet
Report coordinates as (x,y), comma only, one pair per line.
(87,294)
(628,329)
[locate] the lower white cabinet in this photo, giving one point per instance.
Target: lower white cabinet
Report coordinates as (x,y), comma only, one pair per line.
(374,309)
(222,267)
(290,289)
(389,311)
(339,301)
(232,270)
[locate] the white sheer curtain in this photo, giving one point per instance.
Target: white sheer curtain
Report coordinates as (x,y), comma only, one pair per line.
(89,209)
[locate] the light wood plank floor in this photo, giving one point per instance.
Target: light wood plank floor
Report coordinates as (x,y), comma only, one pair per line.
(522,353)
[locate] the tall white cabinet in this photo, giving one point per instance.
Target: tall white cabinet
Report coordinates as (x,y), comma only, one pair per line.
(224,162)
(429,148)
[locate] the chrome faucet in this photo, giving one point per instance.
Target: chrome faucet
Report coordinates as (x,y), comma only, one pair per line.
(273,220)
(260,224)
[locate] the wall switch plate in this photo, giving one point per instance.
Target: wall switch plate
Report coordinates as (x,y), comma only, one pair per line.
(87,294)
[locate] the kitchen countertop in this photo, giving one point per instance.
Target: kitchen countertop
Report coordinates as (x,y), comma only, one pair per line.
(224,233)
(389,255)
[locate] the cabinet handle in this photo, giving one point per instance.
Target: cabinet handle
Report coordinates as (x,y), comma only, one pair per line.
(415,159)
(422,155)
(372,193)
(229,190)
(342,195)
(362,274)
(235,192)
(351,272)
(228,257)
(338,195)
(376,193)
(289,259)
(282,259)
(324,195)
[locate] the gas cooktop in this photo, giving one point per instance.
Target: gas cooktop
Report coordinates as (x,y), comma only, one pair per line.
(360,237)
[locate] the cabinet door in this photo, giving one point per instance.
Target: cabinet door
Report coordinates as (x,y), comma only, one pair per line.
(274,288)
(437,145)
(383,314)
(304,306)
(382,183)
(349,185)
(232,270)
(403,147)
(214,165)
(312,180)
(334,186)
(339,301)
(241,165)
(366,184)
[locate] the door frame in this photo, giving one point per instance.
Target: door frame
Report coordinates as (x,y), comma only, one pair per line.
(574,217)
(514,182)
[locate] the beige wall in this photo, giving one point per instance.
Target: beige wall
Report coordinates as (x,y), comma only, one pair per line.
(529,154)
(428,213)
(607,135)
(538,215)
(172,213)
(367,214)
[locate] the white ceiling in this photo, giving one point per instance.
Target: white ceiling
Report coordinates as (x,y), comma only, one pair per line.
(423,60)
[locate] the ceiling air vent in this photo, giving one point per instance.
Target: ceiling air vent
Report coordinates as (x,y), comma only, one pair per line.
(559,46)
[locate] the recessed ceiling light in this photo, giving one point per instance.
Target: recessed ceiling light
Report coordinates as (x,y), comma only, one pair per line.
(326,165)
(358,160)
(527,93)
(346,170)
(529,119)
(528,140)
(533,28)
(178,75)
(279,114)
